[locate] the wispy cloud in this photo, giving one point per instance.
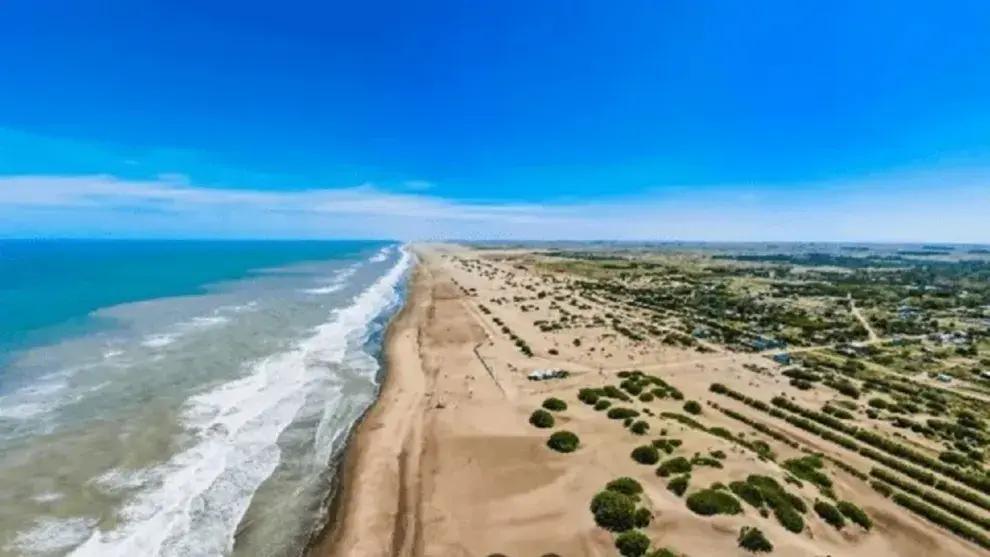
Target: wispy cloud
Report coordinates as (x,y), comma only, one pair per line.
(172,206)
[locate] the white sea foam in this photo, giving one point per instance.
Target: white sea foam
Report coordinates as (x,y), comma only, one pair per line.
(193,504)
(381,255)
(158,341)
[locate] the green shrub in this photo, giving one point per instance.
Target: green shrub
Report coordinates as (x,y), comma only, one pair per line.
(718,454)
(603,404)
(632,544)
(626,486)
(627,422)
(563,441)
(829,514)
(707,461)
(646,397)
(881,488)
(639,428)
(679,485)
(613,511)
(662,552)
(621,413)
(588,396)
(709,502)
(752,540)
(692,407)
(789,518)
(878,403)
(555,404)
(748,493)
(642,518)
(676,465)
(855,514)
(542,419)
(646,454)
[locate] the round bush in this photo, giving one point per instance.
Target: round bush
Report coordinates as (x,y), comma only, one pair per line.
(555,404)
(855,514)
(752,539)
(632,544)
(646,397)
(829,514)
(563,441)
(676,465)
(542,419)
(626,486)
(642,518)
(639,428)
(603,404)
(692,407)
(613,511)
(646,454)
(709,502)
(679,485)
(588,396)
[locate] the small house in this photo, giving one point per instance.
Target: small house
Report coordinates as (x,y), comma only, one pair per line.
(782,359)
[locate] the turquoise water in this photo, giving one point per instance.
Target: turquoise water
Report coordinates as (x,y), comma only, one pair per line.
(57,284)
(169,399)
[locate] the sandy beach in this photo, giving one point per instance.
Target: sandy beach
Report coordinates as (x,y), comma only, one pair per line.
(446,463)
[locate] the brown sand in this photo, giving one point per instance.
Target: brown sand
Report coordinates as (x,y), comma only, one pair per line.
(445,463)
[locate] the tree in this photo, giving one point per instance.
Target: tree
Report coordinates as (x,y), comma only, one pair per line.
(632,544)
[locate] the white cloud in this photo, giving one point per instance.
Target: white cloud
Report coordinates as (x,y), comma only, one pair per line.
(171,206)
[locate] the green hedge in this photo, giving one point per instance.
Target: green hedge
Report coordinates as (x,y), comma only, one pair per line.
(980,519)
(622,413)
(896,453)
(855,514)
(939,518)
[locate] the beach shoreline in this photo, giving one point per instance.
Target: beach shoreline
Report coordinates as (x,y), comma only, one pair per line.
(351,466)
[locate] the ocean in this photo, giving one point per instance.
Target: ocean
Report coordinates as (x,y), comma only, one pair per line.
(170,399)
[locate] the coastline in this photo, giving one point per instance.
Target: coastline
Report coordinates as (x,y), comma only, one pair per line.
(353,468)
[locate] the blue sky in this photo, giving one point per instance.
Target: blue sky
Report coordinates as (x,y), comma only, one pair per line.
(707,120)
